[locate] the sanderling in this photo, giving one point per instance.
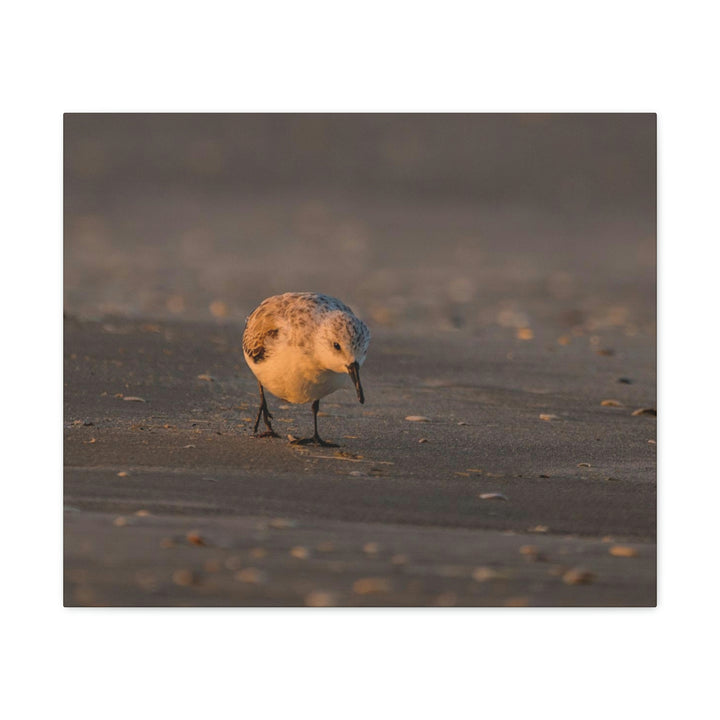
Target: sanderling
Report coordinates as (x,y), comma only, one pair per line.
(301,346)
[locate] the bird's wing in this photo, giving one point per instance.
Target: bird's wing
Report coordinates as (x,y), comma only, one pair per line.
(260,331)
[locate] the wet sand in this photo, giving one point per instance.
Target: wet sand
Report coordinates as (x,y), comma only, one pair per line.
(384,520)
(506,266)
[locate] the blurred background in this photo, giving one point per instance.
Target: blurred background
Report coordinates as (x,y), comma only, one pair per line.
(448,221)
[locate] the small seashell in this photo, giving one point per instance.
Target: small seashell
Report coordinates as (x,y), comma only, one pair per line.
(529,550)
(282,523)
(611,403)
(417,418)
(577,576)
(644,411)
(492,496)
(482,574)
(548,416)
(132,398)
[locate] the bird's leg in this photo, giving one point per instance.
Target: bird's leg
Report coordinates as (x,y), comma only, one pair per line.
(315,439)
(266,416)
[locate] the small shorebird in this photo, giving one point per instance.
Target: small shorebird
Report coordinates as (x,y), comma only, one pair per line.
(301,347)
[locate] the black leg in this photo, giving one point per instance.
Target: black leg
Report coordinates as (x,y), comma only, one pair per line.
(266,416)
(315,439)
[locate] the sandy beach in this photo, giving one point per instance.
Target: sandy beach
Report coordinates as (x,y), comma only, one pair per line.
(514,312)
(158,447)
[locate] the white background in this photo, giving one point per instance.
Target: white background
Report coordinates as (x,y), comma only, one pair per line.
(371,56)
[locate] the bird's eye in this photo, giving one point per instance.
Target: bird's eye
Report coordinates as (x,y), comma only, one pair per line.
(337,346)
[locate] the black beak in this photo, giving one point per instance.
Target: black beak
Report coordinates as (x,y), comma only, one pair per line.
(354,373)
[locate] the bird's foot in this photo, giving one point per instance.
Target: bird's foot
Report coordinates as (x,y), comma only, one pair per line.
(314,440)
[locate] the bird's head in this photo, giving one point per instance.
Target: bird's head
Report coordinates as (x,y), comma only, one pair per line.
(341,346)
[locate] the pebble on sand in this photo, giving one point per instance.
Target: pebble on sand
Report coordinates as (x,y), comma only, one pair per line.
(623,551)
(195,538)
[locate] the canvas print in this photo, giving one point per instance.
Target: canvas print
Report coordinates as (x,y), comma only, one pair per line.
(359,360)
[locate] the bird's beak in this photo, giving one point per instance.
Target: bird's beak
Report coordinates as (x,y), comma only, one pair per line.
(354,373)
